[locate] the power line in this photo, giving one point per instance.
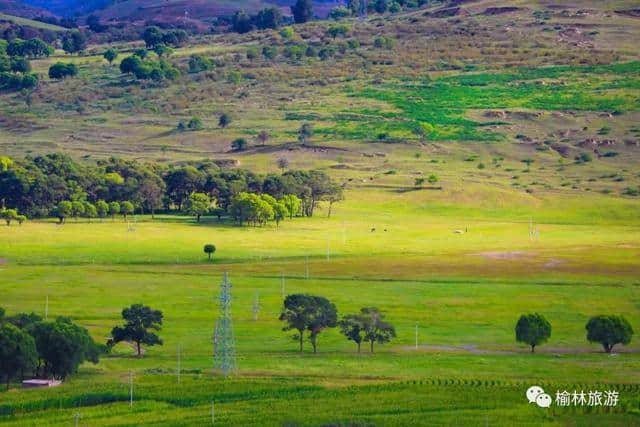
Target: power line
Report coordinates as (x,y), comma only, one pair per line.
(224,349)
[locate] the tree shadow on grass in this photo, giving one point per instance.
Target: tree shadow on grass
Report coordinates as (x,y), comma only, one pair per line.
(411,189)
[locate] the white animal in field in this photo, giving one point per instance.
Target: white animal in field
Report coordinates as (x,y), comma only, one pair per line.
(458,231)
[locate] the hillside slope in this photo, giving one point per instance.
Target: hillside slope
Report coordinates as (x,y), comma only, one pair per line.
(22,9)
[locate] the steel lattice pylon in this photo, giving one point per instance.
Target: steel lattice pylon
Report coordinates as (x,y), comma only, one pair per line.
(224,348)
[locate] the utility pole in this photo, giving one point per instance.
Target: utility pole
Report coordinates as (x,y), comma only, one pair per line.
(256,307)
(179,363)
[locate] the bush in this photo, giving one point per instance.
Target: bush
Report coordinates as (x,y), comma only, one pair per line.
(60,70)
(195,123)
(239,144)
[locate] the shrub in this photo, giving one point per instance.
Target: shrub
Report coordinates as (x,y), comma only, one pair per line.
(60,70)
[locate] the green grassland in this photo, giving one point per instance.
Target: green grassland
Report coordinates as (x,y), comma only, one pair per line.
(464,299)
(487,92)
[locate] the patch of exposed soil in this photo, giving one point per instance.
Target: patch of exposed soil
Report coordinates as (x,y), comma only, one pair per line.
(447,12)
(504,254)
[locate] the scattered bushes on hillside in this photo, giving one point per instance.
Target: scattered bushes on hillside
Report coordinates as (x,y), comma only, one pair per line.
(74,42)
(147,69)
(60,70)
(154,36)
(198,63)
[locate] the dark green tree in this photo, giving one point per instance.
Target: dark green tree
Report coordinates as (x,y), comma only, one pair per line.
(140,320)
(302,11)
(241,22)
(376,330)
(110,55)
(352,327)
(209,249)
(308,312)
(533,329)
(609,331)
(62,347)
(74,42)
(17,352)
(269,17)
(224,121)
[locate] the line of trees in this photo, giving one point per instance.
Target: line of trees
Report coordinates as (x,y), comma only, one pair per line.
(32,346)
(534,329)
(313,314)
(55,185)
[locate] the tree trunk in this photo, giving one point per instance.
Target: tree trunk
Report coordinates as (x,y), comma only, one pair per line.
(138,344)
(330,206)
(358,347)
(372,341)
(301,339)
(198,217)
(314,344)
(533,346)
(153,213)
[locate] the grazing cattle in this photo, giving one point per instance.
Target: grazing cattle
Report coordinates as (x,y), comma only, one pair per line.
(373,230)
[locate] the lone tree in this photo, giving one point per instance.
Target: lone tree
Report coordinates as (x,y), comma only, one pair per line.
(224,121)
(114,209)
(263,137)
(376,330)
(283,163)
(209,249)
(140,319)
(63,210)
(17,352)
(126,208)
(609,331)
(305,133)
(110,55)
(352,327)
(9,215)
(308,312)
(198,204)
(533,329)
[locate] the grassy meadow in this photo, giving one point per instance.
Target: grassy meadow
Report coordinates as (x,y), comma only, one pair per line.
(500,108)
(464,291)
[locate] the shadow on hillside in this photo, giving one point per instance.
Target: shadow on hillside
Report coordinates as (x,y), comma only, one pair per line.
(411,189)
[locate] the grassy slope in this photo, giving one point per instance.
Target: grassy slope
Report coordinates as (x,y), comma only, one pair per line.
(30,23)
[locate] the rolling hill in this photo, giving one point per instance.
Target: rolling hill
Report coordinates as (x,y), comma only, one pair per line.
(161,10)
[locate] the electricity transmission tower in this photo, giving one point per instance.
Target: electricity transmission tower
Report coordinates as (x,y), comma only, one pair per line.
(224,349)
